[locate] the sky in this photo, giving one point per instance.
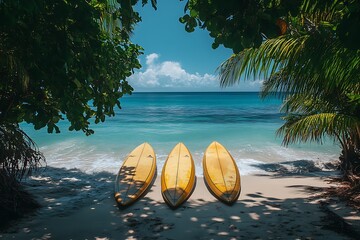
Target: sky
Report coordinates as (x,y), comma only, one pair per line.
(175,60)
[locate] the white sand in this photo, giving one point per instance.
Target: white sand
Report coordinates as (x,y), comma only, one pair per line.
(268,208)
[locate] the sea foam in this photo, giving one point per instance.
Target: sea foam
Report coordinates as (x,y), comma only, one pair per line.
(90,159)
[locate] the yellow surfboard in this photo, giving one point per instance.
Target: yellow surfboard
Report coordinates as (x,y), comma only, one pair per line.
(221,173)
(178,176)
(135,175)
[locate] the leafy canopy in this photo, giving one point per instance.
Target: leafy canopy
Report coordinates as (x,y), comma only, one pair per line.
(315,68)
(65,59)
(241,24)
(308,52)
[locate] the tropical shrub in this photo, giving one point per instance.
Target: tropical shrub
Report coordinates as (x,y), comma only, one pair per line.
(308,53)
(59,60)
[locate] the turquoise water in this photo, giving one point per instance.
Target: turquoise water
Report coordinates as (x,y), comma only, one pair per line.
(242,122)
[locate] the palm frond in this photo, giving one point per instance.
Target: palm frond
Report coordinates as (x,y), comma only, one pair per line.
(107,21)
(302,103)
(19,155)
(309,60)
(18,75)
(321,10)
(314,127)
(264,61)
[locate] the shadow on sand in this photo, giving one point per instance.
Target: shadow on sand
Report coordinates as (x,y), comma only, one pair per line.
(299,168)
(81,206)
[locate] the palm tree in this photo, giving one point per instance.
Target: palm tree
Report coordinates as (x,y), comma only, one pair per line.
(317,76)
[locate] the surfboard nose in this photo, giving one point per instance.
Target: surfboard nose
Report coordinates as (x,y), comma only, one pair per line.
(118,198)
(228,198)
(174,196)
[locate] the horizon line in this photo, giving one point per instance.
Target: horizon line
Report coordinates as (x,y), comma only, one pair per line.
(196,91)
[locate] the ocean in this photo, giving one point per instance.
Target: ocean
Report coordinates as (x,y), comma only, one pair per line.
(81,170)
(242,122)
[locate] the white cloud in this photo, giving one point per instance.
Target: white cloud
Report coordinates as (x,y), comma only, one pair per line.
(169,75)
(151,58)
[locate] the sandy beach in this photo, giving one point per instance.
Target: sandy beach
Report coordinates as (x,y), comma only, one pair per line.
(269,207)
(99,96)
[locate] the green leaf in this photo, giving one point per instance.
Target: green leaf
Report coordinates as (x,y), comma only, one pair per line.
(193,13)
(77,83)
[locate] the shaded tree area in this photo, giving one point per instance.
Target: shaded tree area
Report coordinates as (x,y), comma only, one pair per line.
(59,60)
(308,52)
(59,55)
(19,157)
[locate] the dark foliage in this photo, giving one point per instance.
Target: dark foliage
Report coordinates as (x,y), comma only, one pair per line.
(58,60)
(65,60)
(19,157)
(15,202)
(241,24)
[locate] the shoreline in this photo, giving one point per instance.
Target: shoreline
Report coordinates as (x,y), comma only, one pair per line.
(269,206)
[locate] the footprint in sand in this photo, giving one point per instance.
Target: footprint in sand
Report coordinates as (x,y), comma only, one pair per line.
(163,227)
(133,222)
(233,228)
